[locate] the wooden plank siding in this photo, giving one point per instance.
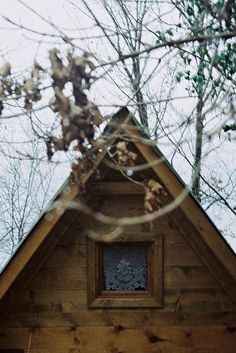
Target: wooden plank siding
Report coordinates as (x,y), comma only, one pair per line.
(45,303)
(52,312)
(165,339)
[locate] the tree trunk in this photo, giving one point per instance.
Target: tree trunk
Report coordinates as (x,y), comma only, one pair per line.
(196,184)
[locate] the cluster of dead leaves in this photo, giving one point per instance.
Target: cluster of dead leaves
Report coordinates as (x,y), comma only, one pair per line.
(28,89)
(79,116)
(153,190)
(71,78)
(79,169)
(6,88)
(124,156)
(153,193)
(31,87)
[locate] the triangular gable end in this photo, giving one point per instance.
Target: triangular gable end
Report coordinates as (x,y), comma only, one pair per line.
(201,234)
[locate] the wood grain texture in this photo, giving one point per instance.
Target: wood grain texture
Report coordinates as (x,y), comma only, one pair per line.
(33,265)
(180,254)
(109,188)
(37,301)
(61,278)
(122,339)
(114,317)
(188,277)
(67,256)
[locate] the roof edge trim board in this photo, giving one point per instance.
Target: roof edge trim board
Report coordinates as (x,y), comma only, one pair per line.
(39,233)
(189,205)
(32,243)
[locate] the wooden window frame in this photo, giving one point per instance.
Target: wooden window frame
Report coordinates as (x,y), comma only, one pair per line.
(152,297)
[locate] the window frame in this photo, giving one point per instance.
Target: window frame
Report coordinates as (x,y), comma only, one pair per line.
(152,297)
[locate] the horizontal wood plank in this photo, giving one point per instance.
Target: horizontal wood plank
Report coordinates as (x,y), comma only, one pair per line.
(61,278)
(67,256)
(188,277)
(72,301)
(122,339)
(180,254)
(116,188)
(134,318)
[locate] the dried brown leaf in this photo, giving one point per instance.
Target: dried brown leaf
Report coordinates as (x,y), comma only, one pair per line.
(124,156)
(62,103)
(5,70)
(1,91)
(153,193)
(29,85)
(28,104)
(36,71)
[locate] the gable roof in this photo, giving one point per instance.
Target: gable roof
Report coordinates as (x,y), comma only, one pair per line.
(201,232)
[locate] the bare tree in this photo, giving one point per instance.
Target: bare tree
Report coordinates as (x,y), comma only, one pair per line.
(205,66)
(25,189)
(192,40)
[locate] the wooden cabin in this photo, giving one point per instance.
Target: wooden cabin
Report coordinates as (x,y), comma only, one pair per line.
(166,286)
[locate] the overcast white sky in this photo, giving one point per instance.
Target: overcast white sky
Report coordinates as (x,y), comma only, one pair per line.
(20,47)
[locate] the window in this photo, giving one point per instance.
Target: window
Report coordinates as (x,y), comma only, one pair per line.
(124,267)
(125,273)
